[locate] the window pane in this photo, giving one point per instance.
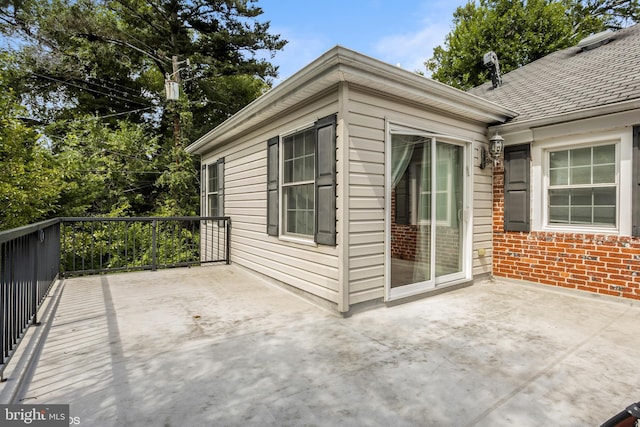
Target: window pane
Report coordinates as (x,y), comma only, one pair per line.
(581,215)
(559,197)
(604,215)
(581,157)
(604,154)
(581,197)
(298,171)
(299,209)
(309,142)
(298,147)
(559,159)
(212,173)
(213,206)
(309,167)
(604,196)
(288,148)
(308,221)
(559,215)
(559,176)
(287,171)
(604,174)
(581,175)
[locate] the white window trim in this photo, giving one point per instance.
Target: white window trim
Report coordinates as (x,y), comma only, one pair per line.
(293,238)
(540,181)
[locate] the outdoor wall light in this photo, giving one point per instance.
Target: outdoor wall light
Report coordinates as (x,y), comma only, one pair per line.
(496,147)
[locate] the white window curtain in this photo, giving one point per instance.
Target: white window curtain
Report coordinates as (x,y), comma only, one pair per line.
(401,153)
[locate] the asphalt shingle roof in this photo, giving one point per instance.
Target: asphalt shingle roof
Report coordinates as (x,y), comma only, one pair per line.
(571,79)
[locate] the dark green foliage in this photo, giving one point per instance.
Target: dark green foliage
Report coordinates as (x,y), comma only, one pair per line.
(29,181)
(90,75)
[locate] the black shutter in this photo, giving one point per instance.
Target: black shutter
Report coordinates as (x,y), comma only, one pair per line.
(220,167)
(403,210)
(203,189)
(516,188)
(635,182)
(325,226)
(272,186)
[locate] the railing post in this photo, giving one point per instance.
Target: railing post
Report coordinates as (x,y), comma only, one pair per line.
(228,221)
(153,245)
(34,279)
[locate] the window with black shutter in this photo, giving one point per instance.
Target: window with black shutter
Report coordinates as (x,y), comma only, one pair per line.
(302,202)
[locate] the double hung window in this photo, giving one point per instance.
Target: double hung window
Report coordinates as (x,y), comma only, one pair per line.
(301,184)
(298,183)
(576,185)
(582,186)
(215,188)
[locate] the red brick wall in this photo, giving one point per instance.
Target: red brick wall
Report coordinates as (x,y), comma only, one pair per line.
(599,263)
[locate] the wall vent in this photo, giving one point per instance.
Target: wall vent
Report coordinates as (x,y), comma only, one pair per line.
(595,40)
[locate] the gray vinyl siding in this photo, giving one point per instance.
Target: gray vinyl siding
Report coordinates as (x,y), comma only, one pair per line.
(366,115)
(366,206)
(308,267)
(482,214)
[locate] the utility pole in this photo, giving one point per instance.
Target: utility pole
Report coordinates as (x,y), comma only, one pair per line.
(176,113)
(172,88)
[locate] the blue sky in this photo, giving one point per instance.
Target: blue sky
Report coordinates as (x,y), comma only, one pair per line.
(400,32)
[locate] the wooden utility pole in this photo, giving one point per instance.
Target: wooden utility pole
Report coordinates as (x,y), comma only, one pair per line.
(176,113)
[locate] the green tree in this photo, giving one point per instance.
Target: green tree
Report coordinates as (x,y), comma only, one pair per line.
(106,171)
(519,32)
(29,185)
(112,57)
(108,60)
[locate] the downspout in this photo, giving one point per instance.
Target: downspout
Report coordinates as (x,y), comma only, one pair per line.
(342,168)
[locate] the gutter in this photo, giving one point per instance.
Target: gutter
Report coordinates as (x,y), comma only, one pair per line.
(586,113)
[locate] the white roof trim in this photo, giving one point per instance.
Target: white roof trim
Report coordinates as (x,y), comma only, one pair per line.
(341,64)
(571,116)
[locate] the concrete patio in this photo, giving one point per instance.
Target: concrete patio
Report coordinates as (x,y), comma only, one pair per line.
(219,346)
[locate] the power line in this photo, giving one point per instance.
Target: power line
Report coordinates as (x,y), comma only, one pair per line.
(89,89)
(129,91)
(125,89)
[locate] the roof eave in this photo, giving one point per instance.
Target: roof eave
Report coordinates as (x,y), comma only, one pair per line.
(586,113)
(341,64)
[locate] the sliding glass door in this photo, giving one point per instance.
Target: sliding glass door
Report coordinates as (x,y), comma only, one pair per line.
(427,228)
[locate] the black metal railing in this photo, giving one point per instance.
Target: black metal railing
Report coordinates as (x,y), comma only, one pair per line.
(29,265)
(96,245)
(34,256)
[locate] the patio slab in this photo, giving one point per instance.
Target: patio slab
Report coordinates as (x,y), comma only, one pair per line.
(219,345)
